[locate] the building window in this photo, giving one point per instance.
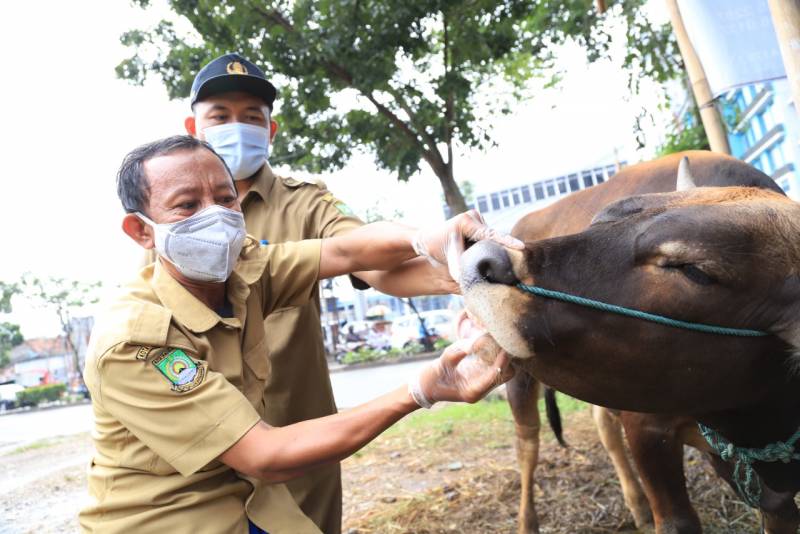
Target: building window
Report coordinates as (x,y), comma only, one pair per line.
(538,191)
(495,201)
(769,118)
(504,196)
(549,186)
(574,185)
(777,156)
(562,184)
(755,125)
(483,206)
(766,163)
(611,170)
(515,196)
(526,193)
(587,179)
(784,185)
(598,176)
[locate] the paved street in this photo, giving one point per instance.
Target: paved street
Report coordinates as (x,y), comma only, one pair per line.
(350,388)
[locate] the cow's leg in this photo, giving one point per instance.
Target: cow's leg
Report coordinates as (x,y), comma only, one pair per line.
(779,514)
(657,449)
(610,431)
(523,396)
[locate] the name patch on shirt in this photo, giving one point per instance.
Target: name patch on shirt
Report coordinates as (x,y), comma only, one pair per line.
(182,372)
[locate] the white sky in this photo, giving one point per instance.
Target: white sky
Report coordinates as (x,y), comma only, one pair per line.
(69,121)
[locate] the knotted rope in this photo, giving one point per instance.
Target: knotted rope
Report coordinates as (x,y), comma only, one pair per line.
(743,473)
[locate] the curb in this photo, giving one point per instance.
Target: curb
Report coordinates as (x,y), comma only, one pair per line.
(341,368)
(16,411)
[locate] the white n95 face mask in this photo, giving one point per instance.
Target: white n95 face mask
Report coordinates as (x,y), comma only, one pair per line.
(244,147)
(203,247)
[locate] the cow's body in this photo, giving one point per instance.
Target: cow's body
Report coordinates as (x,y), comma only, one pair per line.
(655,440)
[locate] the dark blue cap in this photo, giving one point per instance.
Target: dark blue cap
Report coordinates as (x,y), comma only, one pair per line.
(232,72)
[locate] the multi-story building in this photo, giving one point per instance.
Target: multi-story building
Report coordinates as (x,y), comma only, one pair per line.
(764,130)
(504,207)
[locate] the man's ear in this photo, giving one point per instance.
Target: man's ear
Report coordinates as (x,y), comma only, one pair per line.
(273,129)
(190,125)
(138,230)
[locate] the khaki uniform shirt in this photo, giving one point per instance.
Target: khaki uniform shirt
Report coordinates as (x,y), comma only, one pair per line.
(174,385)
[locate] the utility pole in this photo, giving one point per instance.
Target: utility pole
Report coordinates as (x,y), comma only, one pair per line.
(709,114)
(786,19)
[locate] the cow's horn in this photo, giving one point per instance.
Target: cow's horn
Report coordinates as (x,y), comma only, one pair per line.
(685,178)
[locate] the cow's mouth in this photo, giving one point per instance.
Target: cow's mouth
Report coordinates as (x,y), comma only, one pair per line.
(489,277)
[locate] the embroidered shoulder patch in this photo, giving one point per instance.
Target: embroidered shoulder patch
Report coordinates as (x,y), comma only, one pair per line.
(142,353)
(182,372)
(343,208)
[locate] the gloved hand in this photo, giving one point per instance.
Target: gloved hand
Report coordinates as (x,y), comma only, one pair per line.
(445,244)
(459,375)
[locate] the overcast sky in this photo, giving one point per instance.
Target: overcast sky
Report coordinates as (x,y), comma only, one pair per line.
(69,121)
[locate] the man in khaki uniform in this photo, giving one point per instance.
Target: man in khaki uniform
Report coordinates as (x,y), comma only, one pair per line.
(232,103)
(176,367)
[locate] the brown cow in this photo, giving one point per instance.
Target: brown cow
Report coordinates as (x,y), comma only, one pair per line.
(713,255)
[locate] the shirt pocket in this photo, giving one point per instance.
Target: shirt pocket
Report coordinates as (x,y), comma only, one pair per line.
(256,363)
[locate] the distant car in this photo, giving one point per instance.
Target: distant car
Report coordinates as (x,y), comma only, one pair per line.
(8,396)
(406,329)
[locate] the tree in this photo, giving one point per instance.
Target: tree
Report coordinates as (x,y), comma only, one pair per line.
(10,334)
(409,81)
(64,297)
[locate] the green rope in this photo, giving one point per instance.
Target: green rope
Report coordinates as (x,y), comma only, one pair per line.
(743,473)
(629,312)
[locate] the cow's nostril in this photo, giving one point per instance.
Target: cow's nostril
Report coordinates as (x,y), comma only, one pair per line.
(496,268)
(487,261)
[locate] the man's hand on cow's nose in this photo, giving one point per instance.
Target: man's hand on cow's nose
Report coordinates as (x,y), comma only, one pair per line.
(445,244)
(457,377)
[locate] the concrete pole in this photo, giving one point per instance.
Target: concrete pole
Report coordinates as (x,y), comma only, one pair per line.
(786,19)
(710,116)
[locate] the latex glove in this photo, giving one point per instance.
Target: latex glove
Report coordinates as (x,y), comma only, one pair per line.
(445,244)
(459,376)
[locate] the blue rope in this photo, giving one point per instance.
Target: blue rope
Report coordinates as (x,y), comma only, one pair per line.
(629,312)
(743,473)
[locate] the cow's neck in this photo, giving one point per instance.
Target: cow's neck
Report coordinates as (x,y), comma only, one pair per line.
(774,419)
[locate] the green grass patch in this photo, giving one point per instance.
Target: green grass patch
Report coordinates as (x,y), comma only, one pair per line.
(40,444)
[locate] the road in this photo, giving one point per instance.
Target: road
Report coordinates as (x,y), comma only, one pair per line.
(350,388)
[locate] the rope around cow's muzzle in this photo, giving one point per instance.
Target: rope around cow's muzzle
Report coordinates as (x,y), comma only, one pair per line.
(743,474)
(638,314)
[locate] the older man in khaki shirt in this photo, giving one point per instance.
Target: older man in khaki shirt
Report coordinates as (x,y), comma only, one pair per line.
(177,367)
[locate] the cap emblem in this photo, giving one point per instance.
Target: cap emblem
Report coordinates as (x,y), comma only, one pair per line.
(234,67)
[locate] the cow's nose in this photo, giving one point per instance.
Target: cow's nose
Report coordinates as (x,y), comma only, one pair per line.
(487,261)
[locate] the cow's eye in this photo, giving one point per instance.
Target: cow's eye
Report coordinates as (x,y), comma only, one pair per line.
(695,274)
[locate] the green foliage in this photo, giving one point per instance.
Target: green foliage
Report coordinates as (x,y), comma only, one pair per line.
(38,394)
(366,354)
(441,344)
(406,81)
(10,335)
(63,297)
(690,136)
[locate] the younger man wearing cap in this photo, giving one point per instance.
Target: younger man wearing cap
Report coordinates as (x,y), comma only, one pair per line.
(232,104)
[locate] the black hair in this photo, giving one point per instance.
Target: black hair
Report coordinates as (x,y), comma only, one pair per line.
(132,187)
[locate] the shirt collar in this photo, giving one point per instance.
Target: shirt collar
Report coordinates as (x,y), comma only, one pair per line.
(191,312)
(262,184)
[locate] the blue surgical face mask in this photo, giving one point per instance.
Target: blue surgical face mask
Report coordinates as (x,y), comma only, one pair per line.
(244,147)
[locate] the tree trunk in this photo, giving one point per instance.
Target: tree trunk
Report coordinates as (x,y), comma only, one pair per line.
(709,114)
(786,19)
(452,194)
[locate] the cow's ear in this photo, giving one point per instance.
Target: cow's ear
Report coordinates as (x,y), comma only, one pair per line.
(685,178)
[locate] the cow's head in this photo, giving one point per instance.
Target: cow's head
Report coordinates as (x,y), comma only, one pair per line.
(725,256)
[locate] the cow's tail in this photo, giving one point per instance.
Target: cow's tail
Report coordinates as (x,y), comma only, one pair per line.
(553,414)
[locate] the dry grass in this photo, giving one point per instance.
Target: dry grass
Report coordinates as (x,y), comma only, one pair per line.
(455,471)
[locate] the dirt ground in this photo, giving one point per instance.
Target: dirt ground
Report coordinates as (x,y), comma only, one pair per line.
(447,471)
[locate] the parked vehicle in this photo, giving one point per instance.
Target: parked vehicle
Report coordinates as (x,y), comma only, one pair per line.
(407,330)
(8,396)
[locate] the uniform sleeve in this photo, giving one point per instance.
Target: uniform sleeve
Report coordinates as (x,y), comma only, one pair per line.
(172,402)
(291,274)
(330,216)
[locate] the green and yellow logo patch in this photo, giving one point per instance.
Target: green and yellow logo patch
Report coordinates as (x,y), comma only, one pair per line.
(182,372)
